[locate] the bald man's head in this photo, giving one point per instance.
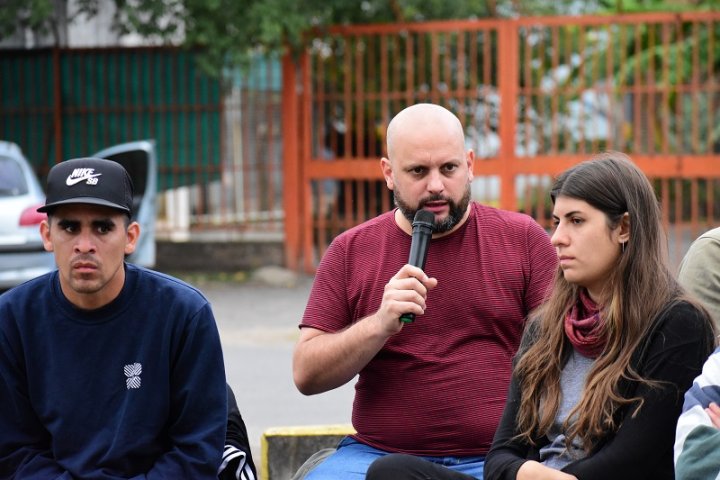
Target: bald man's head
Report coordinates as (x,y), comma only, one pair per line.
(428,167)
(420,119)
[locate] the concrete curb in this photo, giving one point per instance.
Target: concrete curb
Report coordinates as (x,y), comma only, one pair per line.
(283,450)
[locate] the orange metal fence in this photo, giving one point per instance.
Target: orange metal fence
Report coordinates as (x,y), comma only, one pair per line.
(535,95)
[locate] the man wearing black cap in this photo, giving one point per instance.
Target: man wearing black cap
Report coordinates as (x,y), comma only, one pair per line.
(107,370)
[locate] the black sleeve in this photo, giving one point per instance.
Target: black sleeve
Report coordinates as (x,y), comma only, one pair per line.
(237,463)
(507,454)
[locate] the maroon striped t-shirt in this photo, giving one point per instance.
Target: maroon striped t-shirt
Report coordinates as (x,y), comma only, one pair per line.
(438,387)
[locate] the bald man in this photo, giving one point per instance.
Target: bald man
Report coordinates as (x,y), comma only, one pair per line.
(435,387)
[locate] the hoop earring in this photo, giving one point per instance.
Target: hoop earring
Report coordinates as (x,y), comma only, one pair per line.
(623,247)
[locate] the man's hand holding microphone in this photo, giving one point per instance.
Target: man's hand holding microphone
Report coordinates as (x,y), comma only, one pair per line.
(405,293)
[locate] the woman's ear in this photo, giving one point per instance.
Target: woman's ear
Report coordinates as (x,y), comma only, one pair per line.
(624,235)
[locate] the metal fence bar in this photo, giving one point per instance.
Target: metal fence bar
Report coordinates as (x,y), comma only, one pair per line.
(536,95)
(62,103)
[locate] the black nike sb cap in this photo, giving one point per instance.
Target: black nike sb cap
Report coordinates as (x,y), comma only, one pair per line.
(94,181)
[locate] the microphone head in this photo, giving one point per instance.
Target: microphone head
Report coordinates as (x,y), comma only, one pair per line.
(424,217)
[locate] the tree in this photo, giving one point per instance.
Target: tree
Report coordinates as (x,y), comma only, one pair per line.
(228,32)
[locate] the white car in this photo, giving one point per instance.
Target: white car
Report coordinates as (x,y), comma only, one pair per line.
(22,256)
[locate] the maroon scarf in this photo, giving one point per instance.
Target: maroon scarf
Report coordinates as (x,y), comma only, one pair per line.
(583,326)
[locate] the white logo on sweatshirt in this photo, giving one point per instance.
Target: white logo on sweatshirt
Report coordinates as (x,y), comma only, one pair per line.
(132,372)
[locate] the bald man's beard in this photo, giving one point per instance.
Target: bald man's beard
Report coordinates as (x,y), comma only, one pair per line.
(454,216)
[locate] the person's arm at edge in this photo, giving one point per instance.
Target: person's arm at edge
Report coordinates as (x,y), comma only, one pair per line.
(198,404)
(699,272)
(237,463)
(507,454)
(24,443)
(697,437)
(698,460)
(509,457)
(323,361)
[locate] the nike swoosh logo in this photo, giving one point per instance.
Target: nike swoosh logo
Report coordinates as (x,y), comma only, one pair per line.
(72,181)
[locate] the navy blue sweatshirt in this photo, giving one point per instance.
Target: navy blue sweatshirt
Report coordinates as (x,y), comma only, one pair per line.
(135,389)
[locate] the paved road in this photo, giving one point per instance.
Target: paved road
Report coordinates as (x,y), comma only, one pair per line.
(258,329)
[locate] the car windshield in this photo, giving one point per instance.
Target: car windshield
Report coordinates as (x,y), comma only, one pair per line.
(12,180)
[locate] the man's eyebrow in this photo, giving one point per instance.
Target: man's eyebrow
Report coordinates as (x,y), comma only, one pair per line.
(100,222)
(103,222)
(66,222)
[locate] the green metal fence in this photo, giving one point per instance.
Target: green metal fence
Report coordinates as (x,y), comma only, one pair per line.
(64,103)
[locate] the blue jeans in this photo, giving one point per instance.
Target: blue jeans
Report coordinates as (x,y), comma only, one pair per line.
(352,459)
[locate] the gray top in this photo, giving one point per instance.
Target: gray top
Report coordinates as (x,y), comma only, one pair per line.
(572,381)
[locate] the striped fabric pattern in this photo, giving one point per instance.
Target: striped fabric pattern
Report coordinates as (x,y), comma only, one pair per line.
(235,463)
(697,440)
(438,387)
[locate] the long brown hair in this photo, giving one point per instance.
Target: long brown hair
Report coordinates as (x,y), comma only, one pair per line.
(637,290)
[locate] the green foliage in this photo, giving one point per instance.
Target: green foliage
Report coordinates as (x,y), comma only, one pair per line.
(229,32)
(33,14)
(648,67)
(640,6)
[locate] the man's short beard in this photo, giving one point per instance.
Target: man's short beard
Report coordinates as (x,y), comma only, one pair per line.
(456,213)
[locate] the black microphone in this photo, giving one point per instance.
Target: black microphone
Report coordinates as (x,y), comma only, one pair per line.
(422,227)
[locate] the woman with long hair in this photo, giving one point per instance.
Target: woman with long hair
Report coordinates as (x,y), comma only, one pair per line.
(599,378)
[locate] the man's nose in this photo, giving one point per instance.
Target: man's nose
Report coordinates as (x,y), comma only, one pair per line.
(435,182)
(85,242)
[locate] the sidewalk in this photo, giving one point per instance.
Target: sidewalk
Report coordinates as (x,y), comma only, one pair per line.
(258,329)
